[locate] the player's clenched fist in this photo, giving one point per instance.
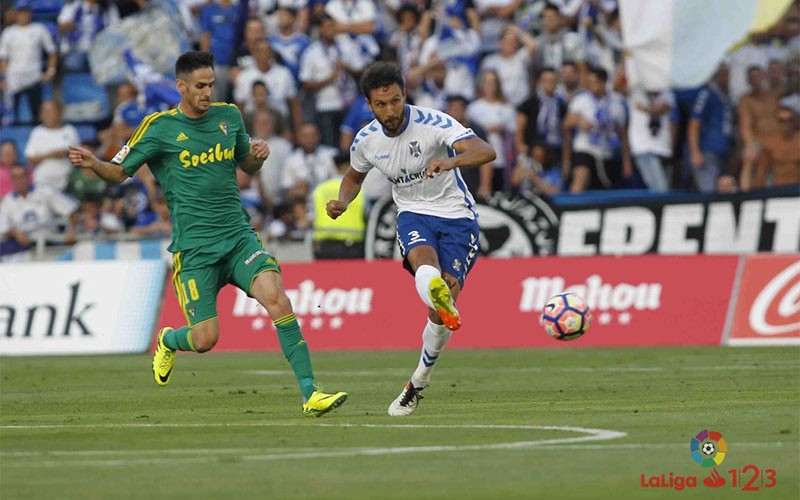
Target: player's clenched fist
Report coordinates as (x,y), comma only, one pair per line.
(335,208)
(81,157)
(259,149)
(438,166)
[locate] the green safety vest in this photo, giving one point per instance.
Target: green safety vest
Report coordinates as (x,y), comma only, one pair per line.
(348,226)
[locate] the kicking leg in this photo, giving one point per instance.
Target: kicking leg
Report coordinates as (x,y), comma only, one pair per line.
(431,287)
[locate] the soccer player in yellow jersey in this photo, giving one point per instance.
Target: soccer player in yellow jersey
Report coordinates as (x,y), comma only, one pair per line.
(193,151)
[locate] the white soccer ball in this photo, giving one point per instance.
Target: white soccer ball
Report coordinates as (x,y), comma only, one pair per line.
(709,448)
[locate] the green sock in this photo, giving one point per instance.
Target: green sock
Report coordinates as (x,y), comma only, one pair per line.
(296,351)
(180,339)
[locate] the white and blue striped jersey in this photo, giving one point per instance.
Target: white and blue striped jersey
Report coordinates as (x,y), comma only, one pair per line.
(428,134)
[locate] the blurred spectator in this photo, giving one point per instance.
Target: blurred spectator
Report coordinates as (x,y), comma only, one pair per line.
(128,114)
(260,102)
(650,135)
(9,157)
(358,116)
(757,52)
(494,14)
(726,184)
(290,221)
(79,22)
(322,71)
(459,47)
(279,81)
(569,81)
(497,118)
(355,20)
(271,173)
(155,90)
(310,164)
(406,39)
(269,11)
(710,131)
(342,238)
(251,198)
(512,63)
(243,56)
(540,121)
(599,144)
(92,221)
(478,180)
(426,84)
(288,42)
(84,183)
(154,222)
(21,47)
(776,77)
(48,148)
(757,120)
(780,157)
(557,45)
(218,21)
(30,212)
(130,202)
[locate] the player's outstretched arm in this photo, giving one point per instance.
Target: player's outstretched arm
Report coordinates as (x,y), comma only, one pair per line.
(84,158)
(348,190)
(472,152)
(259,151)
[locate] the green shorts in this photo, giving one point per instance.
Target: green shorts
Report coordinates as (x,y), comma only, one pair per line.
(200,273)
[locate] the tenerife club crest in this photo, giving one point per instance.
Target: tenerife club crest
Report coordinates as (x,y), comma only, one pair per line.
(224,127)
(414,149)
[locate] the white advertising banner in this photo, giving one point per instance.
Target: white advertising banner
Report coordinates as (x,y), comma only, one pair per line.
(79,308)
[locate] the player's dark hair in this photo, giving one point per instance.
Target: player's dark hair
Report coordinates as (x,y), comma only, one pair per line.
(600,73)
(192,60)
(378,75)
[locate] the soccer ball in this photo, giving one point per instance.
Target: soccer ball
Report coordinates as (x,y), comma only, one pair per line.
(709,448)
(566,316)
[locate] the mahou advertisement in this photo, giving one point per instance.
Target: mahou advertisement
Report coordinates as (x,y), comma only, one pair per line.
(643,300)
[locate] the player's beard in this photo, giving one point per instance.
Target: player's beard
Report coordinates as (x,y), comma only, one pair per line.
(395,122)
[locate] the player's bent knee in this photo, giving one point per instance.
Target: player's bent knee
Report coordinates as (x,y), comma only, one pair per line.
(204,339)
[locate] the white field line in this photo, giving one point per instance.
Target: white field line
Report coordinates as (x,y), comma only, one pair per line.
(538,369)
(245,451)
(589,435)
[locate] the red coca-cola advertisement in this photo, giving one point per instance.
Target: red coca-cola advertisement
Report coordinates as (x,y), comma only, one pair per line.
(642,300)
(767,308)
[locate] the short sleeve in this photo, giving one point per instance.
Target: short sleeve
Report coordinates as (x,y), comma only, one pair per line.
(242,138)
(32,148)
(205,18)
(4,42)
(358,160)
(288,84)
(47,40)
(5,215)
(450,131)
(141,147)
(307,65)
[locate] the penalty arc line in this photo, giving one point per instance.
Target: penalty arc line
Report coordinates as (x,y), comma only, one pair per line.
(591,435)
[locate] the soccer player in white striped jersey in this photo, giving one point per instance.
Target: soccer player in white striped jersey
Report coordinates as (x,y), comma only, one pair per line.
(420,151)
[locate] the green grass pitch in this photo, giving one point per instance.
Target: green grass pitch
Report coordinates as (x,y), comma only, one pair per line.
(493,424)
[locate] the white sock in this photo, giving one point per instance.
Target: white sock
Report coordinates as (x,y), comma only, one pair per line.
(434,338)
(423,277)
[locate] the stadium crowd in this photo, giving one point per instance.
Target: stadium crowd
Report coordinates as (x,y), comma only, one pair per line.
(542,82)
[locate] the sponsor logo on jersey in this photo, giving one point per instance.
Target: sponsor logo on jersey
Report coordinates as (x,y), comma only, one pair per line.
(414,149)
(121,155)
(217,153)
(181,137)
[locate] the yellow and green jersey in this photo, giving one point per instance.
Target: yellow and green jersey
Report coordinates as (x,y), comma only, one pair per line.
(195,161)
